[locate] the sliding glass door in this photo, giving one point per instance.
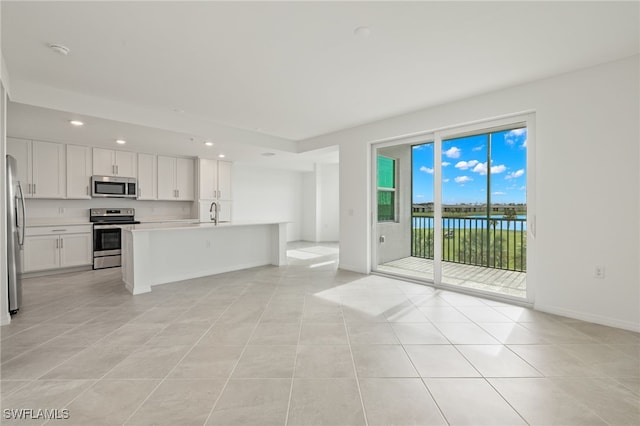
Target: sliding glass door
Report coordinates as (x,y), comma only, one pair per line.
(460,221)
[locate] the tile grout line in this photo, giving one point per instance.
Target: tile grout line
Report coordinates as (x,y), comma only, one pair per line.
(161,381)
(224,387)
(295,361)
(353,363)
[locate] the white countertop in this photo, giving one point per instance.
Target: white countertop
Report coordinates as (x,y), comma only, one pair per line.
(58,221)
(61,221)
(196,225)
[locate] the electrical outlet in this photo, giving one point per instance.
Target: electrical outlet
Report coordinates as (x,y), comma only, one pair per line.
(598,272)
(382,238)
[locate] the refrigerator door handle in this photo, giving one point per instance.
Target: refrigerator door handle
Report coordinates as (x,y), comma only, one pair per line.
(24,216)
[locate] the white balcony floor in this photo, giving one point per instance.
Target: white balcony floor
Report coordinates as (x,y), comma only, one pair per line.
(499,281)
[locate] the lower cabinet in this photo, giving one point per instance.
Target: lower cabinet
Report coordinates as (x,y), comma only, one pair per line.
(60,247)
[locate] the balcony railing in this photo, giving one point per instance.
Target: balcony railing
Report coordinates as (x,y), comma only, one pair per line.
(495,242)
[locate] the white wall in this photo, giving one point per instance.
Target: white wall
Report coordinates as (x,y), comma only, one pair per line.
(268,194)
(309,207)
(321,204)
(587,186)
(328,209)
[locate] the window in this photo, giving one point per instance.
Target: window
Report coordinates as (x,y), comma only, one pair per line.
(387,183)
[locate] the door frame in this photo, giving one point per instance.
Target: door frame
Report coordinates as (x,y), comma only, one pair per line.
(437,136)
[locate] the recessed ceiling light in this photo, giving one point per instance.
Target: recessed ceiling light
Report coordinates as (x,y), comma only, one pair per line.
(207,143)
(76,123)
(121,141)
(268,154)
(221,155)
(362,32)
(58,48)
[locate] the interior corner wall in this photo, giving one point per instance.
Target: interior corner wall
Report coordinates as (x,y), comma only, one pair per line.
(397,234)
(309,207)
(587,185)
(328,216)
(268,194)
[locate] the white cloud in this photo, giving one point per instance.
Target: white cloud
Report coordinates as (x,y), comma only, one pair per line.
(464,165)
(514,175)
(445,163)
(522,188)
(463,179)
(512,136)
(453,152)
(524,144)
(481,168)
(498,193)
(426,169)
(419,196)
(477,148)
(446,180)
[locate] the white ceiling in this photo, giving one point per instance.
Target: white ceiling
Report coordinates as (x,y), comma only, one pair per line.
(264,74)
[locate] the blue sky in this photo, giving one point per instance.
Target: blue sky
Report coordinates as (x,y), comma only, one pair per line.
(464,169)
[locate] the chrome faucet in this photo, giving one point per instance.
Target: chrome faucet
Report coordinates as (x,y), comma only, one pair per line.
(213,212)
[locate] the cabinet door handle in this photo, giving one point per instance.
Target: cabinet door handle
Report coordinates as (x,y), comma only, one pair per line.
(58,230)
(178,192)
(61,243)
(58,243)
(34,188)
(117,169)
(87,189)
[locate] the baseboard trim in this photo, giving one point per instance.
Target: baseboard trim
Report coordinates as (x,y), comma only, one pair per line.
(583,316)
(5,319)
(352,268)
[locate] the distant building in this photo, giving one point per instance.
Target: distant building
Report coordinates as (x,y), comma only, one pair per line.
(469,208)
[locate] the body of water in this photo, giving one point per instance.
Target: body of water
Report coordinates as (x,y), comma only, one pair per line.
(479,222)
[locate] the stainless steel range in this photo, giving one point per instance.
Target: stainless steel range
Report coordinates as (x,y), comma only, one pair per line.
(107,235)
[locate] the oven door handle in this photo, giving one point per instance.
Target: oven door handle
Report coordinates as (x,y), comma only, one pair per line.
(106,226)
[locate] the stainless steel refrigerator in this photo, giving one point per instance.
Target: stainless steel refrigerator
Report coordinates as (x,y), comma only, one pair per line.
(16,215)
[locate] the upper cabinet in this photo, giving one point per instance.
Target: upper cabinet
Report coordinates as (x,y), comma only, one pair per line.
(79,171)
(147,177)
(41,167)
(175,178)
(20,149)
(109,162)
(214,179)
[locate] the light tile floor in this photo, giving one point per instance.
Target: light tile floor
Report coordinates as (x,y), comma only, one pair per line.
(307,344)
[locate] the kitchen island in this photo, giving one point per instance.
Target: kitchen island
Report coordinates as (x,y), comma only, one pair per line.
(161,253)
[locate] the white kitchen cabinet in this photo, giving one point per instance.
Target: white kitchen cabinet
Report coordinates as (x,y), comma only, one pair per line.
(41,252)
(41,167)
(57,247)
(76,250)
(109,162)
(184,178)
(214,179)
(48,170)
(175,178)
(147,177)
(79,172)
(20,149)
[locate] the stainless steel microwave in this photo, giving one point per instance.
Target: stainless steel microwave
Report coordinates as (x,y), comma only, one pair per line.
(113,187)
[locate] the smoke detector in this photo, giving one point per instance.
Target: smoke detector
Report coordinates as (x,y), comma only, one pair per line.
(58,48)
